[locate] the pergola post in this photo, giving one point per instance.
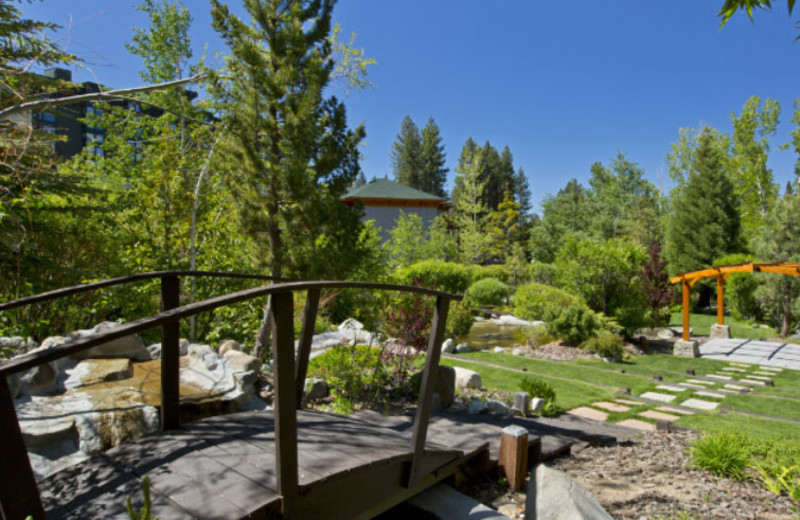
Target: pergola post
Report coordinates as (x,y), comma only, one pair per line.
(720,300)
(686,289)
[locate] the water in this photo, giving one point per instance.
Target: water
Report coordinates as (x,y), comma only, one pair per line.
(487,335)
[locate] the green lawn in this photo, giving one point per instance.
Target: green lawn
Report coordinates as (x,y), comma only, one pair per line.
(701,326)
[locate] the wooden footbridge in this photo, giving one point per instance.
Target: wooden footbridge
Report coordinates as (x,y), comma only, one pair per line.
(286,463)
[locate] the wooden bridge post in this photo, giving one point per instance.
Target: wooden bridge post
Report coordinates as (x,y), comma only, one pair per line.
(429,376)
(282,321)
(19,496)
(170,356)
(304,349)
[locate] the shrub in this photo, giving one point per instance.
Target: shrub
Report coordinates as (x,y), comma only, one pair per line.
(409,318)
(459,320)
(350,371)
(488,292)
(722,454)
(541,302)
(539,388)
(537,335)
(575,324)
(481,272)
(445,276)
(540,272)
(606,344)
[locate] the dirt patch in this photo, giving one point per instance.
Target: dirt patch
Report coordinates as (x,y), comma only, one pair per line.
(557,352)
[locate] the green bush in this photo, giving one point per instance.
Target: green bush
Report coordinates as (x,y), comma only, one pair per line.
(740,289)
(352,372)
(488,292)
(480,272)
(444,276)
(722,454)
(543,273)
(575,324)
(542,302)
(539,388)
(459,320)
(606,344)
(537,335)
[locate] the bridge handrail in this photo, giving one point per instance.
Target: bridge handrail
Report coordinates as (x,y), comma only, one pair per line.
(91,286)
(18,490)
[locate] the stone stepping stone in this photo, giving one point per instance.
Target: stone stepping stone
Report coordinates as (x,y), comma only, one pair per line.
(628,402)
(736,387)
(759,373)
(752,382)
(771,369)
(701,382)
(611,407)
(710,394)
(670,409)
(655,396)
(693,385)
(638,425)
(760,378)
(733,369)
(659,416)
(671,388)
(699,404)
(741,365)
(589,413)
(720,376)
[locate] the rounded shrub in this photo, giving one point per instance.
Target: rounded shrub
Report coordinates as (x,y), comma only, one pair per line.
(459,320)
(606,344)
(488,292)
(536,301)
(575,324)
(722,454)
(498,272)
(444,276)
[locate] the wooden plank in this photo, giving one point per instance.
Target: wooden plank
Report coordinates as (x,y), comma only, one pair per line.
(685,287)
(170,356)
(306,336)
(282,322)
(19,496)
(720,300)
(429,376)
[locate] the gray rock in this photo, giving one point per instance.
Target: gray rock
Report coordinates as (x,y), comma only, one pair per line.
(521,402)
(466,378)
(498,407)
(199,351)
(227,345)
(53,341)
(13,385)
(316,389)
(686,349)
(445,503)
(720,331)
(212,361)
(246,383)
(553,496)
(239,361)
(16,345)
(183,347)
(463,348)
(514,321)
(94,371)
(477,406)
(665,333)
(500,350)
(448,346)
(446,385)
(537,406)
(39,380)
(155,351)
(130,346)
(518,351)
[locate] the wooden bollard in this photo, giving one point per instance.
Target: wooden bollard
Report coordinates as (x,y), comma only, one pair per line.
(513,458)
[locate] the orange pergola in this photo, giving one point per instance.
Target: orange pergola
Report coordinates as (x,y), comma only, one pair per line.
(721,273)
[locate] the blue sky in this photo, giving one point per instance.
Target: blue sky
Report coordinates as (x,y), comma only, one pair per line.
(563,84)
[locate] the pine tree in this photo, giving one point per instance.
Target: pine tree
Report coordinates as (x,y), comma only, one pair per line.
(705,222)
(502,228)
(407,161)
(434,173)
(470,210)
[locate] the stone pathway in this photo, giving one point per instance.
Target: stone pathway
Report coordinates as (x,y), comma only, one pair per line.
(768,354)
(700,393)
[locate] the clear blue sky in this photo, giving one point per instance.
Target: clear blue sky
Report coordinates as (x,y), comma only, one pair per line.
(563,84)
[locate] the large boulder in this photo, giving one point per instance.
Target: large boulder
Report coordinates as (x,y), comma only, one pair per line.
(316,388)
(554,496)
(130,346)
(39,380)
(16,345)
(448,346)
(93,371)
(498,407)
(240,362)
(466,378)
(228,344)
(198,351)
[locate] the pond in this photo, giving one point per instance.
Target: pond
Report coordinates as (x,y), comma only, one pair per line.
(487,335)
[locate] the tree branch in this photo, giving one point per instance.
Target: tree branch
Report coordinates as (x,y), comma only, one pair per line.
(107,95)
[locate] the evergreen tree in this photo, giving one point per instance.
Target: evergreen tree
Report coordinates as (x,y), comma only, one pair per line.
(494,175)
(407,159)
(705,222)
(502,228)
(465,159)
(470,210)
(568,213)
(434,173)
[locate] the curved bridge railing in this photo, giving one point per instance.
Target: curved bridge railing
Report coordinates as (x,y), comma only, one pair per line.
(19,495)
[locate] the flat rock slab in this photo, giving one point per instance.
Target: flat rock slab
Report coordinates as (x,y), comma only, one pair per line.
(752,382)
(706,393)
(730,386)
(628,402)
(733,369)
(701,382)
(720,376)
(699,404)
(638,425)
(655,396)
(659,416)
(692,386)
(771,369)
(670,409)
(589,413)
(448,504)
(611,407)
(761,378)
(764,373)
(671,388)
(741,365)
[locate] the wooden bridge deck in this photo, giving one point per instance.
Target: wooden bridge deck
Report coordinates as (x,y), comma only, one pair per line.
(224,467)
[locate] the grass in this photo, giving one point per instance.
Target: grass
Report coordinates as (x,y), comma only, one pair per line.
(701,326)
